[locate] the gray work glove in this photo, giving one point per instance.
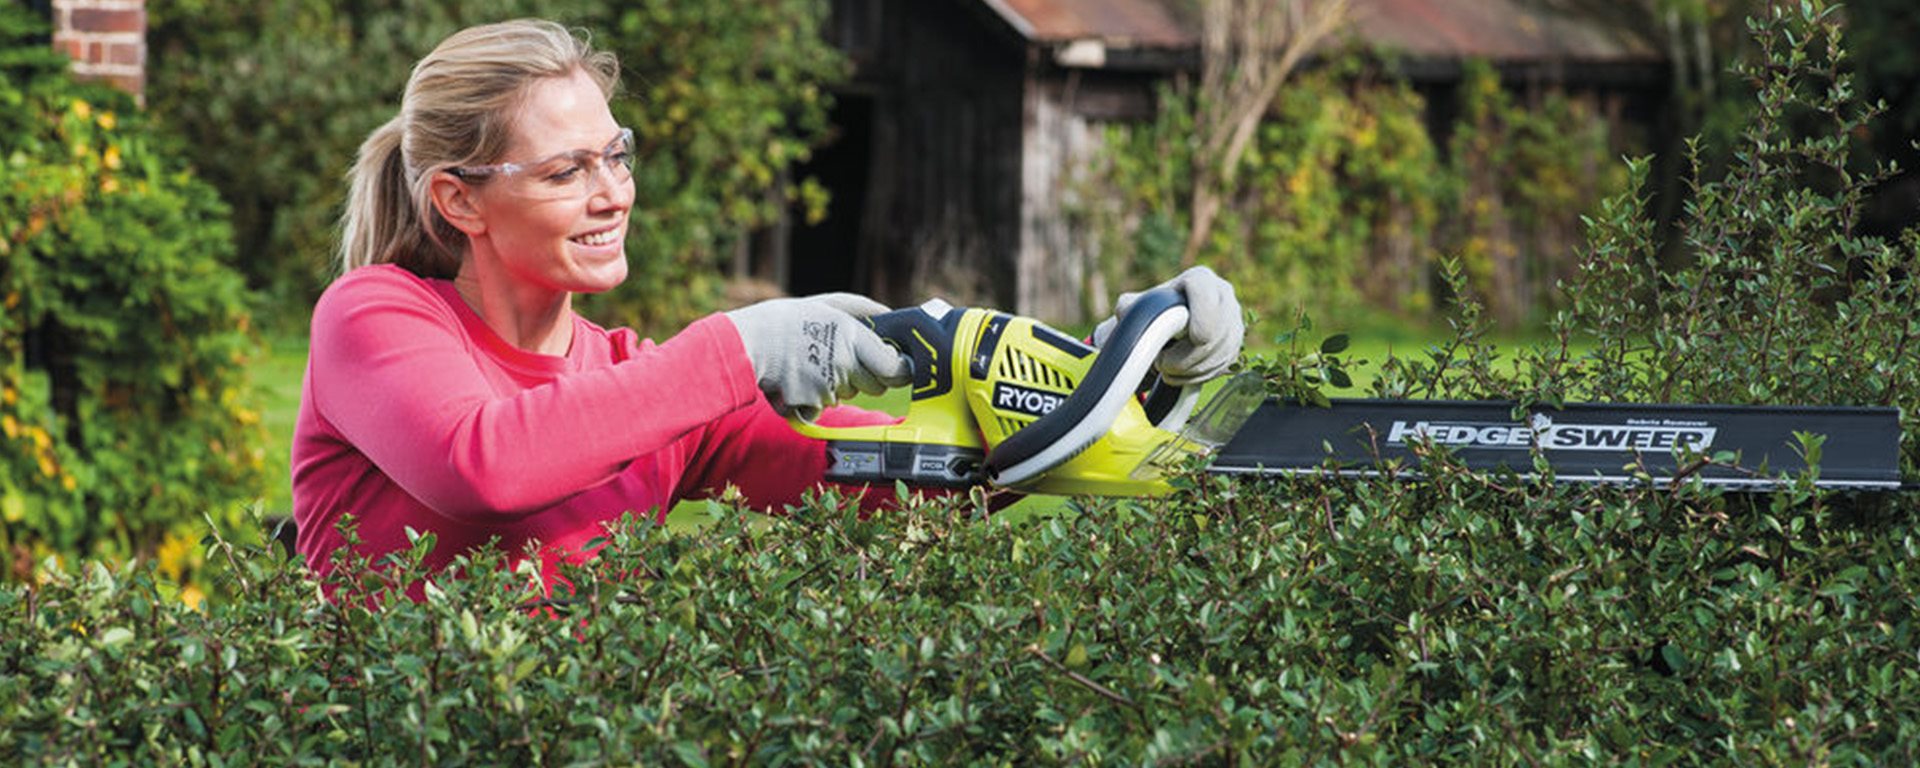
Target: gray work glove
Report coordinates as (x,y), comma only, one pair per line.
(1214,332)
(810,352)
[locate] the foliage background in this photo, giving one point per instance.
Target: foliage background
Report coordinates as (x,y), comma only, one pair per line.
(1345,204)
(1778,295)
(125,410)
(275,97)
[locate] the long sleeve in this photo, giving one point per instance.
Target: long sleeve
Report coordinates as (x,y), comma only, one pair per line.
(757,451)
(395,372)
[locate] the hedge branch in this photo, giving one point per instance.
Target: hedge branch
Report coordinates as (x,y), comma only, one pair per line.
(1084,681)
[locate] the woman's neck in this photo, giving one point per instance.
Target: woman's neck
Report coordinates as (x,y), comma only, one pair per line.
(530,319)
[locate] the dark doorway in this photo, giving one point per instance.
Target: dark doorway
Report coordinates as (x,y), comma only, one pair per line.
(825,256)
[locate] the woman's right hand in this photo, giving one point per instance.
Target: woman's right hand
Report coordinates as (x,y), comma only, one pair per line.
(808,353)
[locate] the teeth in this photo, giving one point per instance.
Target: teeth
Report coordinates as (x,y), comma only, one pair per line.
(599,238)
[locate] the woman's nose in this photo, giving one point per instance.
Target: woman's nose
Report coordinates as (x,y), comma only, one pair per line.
(611,189)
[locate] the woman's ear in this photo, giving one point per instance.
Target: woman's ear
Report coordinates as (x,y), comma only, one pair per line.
(458,203)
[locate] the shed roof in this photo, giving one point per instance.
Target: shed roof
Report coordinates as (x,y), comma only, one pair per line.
(1500,30)
(1117,23)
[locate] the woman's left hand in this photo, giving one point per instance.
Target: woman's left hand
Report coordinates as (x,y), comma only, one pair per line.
(1215,328)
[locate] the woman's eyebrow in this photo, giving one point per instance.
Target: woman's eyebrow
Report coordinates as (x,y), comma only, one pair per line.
(571,153)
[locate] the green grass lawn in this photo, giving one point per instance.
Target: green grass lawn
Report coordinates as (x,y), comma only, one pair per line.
(277,375)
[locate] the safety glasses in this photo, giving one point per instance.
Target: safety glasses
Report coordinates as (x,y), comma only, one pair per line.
(568,175)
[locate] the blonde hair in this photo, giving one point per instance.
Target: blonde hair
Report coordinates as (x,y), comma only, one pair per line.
(457,110)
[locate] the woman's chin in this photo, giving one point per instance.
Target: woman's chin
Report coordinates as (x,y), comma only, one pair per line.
(603,276)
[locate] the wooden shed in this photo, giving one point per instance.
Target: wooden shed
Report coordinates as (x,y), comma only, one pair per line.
(958,137)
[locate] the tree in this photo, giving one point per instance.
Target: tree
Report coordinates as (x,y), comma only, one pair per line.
(1248,48)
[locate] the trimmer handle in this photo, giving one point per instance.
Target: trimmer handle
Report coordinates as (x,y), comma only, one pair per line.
(924,336)
(1126,358)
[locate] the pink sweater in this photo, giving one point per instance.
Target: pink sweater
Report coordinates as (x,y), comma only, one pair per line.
(415,414)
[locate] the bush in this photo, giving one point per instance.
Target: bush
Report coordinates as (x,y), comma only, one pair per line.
(726,97)
(1335,202)
(1777,299)
(1524,176)
(124,410)
(1344,201)
(1470,618)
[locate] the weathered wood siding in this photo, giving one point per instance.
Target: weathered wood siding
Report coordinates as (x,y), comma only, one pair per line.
(944,194)
(1067,112)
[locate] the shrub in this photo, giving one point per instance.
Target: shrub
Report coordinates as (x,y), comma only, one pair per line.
(1524,175)
(124,411)
(1345,201)
(1777,299)
(1469,618)
(726,97)
(1335,202)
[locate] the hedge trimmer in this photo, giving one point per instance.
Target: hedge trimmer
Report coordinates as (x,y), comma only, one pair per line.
(1006,401)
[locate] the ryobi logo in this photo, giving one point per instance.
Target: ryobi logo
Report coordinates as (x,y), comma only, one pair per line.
(1636,434)
(1032,402)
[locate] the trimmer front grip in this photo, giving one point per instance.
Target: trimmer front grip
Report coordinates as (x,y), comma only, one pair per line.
(924,335)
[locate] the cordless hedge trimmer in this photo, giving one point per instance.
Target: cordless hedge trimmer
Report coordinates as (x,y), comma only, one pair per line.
(1006,401)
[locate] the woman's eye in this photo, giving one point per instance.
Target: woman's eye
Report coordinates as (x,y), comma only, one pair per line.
(564,174)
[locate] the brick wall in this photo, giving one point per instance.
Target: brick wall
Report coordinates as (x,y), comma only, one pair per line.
(107,40)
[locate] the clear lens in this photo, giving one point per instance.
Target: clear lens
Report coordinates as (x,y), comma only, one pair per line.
(566,176)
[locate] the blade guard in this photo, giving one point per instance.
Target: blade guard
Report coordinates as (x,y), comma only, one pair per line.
(1028,407)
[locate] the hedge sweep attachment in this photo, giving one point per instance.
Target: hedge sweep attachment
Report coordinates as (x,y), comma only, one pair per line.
(1006,401)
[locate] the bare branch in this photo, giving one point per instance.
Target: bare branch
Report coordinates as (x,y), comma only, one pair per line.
(1248,49)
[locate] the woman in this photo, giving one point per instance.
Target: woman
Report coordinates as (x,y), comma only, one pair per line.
(451,388)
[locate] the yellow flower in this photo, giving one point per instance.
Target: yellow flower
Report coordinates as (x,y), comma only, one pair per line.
(9,424)
(172,555)
(82,108)
(111,157)
(1297,182)
(108,121)
(192,596)
(1366,135)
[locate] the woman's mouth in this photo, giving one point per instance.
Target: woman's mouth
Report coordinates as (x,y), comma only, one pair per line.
(597,239)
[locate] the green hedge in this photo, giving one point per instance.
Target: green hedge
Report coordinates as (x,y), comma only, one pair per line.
(125,414)
(1773,295)
(1470,618)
